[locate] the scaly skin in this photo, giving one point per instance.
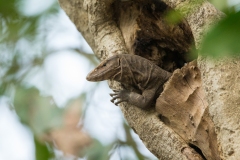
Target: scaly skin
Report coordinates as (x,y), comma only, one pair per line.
(134,71)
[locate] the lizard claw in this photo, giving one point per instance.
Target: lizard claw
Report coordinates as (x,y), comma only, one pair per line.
(113,94)
(116,103)
(122,95)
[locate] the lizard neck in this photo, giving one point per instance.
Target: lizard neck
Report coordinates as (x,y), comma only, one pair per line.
(125,75)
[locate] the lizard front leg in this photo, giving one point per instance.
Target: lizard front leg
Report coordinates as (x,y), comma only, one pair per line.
(143,100)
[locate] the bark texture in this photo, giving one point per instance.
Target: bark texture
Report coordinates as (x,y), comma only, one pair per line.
(222,86)
(183,107)
(117,27)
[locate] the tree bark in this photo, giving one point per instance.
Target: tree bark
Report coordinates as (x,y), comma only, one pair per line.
(96,20)
(221,82)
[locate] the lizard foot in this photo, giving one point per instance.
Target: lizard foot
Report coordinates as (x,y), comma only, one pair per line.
(121,95)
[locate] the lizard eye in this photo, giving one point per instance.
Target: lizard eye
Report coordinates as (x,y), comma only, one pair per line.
(104,64)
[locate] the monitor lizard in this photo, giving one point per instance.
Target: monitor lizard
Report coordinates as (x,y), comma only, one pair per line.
(135,71)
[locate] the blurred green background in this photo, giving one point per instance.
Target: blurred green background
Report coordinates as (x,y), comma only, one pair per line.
(47,108)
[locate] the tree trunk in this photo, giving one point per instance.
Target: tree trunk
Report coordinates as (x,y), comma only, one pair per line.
(117,27)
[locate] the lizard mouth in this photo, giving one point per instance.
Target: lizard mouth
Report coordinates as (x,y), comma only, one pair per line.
(92,76)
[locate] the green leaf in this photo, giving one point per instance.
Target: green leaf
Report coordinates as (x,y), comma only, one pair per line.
(221,5)
(173,17)
(8,8)
(42,151)
(98,151)
(224,38)
(38,112)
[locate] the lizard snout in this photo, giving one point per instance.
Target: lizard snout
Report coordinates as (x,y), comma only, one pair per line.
(89,77)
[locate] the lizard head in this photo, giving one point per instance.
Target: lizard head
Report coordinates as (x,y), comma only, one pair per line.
(105,70)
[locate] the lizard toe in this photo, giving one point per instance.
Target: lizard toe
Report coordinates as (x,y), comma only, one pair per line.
(116,91)
(113,94)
